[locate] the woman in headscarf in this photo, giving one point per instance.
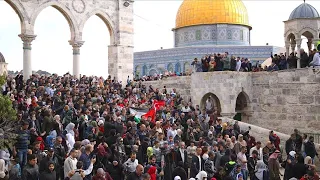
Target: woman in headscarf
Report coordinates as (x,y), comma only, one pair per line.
(70,139)
(273,165)
(241,143)
(3,170)
(291,161)
(42,145)
(308,162)
(261,172)
(202,175)
(119,150)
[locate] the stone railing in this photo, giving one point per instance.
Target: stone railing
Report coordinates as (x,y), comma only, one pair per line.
(262,134)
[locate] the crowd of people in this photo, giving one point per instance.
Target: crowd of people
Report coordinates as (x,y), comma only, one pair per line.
(70,128)
(225,62)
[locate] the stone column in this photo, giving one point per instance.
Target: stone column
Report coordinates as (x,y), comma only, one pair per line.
(76,45)
(287,49)
(298,41)
(27,64)
(309,43)
(120,62)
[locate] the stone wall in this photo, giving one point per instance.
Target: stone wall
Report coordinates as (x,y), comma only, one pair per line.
(286,100)
(280,101)
(181,84)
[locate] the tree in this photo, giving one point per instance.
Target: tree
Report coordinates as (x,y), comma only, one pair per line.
(8,120)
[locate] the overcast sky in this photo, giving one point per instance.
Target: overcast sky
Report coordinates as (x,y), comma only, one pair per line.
(153,23)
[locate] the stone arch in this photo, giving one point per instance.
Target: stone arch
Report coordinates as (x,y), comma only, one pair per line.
(211,97)
(18,8)
(308,32)
(75,35)
(105,18)
(291,36)
(242,107)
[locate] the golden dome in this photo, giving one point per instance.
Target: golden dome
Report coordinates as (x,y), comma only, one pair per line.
(197,12)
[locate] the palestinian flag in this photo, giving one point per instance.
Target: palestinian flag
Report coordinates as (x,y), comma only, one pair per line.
(138,112)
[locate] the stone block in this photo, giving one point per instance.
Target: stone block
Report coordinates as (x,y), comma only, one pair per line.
(309,118)
(317,99)
(281,100)
(292,117)
(282,116)
(291,99)
(286,91)
(314,109)
(272,116)
(306,99)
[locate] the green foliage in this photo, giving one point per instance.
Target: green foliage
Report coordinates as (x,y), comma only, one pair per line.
(3,79)
(8,120)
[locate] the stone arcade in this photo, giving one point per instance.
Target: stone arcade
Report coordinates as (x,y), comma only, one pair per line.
(117,15)
(271,100)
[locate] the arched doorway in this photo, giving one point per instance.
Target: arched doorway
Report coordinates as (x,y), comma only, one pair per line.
(242,107)
(210,102)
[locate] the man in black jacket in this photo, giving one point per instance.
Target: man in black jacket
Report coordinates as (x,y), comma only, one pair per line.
(196,163)
(31,170)
(310,148)
(182,156)
(137,174)
(60,154)
(252,162)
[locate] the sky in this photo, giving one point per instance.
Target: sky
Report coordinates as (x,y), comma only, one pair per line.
(153,21)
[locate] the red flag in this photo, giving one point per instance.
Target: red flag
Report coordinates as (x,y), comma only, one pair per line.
(158,104)
(151,113)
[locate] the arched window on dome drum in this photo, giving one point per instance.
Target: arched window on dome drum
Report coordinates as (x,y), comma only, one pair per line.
(186,67)
(241,35)
(144,70)
(178,68)
(170,67)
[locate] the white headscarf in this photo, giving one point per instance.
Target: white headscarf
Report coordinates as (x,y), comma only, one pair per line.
(70,128)
(177,178)
(292,153)
(2,168)
(201,175)
(260,168)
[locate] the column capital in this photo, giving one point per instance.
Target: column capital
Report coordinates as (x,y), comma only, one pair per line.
(27,39)
(76,45)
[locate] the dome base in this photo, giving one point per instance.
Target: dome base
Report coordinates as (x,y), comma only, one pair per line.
(215,34)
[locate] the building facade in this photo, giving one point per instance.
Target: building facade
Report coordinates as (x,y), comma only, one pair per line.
(204,27)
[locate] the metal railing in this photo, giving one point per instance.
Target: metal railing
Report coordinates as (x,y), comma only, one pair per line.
(316,137)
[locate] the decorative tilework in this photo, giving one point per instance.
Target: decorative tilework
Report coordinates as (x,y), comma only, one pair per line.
(198,34)
(229,34)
